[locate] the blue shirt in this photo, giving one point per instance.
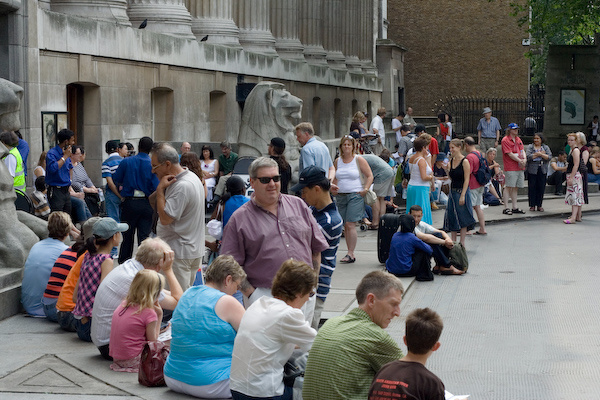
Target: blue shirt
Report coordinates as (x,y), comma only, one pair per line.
(202,343)
(23,148)
(57,176)
(233,204)
(330,221)
(316,153)
(402,248)
(135,173)
(488,129)
(36,273)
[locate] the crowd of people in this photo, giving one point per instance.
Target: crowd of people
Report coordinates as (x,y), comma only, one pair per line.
(233,325)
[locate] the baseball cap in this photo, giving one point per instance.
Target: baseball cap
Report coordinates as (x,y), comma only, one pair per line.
(420,128)
(309,176)
(106,227)
(512,126)
(87,227)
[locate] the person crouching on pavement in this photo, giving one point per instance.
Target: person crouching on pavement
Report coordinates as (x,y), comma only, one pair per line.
(409,255)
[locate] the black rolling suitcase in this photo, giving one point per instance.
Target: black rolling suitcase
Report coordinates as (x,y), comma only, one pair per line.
(388,225)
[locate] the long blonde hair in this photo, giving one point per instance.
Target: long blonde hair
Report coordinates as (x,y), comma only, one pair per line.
(145,289)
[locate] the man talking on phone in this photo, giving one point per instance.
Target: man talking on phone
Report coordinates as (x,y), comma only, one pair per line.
(180,208)
(58,172)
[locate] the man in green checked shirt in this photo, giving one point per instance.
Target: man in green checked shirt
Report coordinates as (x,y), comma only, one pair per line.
(349,350)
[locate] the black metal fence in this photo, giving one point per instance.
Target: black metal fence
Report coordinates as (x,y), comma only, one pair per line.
(466,111)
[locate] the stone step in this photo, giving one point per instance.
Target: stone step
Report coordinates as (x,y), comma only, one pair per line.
(10,291)
(592,188)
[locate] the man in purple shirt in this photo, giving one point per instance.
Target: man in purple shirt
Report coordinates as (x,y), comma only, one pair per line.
(270,229)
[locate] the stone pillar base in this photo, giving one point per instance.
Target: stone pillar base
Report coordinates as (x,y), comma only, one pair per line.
(105,10)
(258,41)
(315,54)
(219,31)
(336,60)
(171,19)
(353,64)
(290,49)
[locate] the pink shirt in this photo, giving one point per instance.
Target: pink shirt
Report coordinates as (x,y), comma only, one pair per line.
(511,146)
(474,164)
(260,241)
(128,331)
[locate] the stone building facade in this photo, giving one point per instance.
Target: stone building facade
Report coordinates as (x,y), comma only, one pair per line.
(184,76)
(458,48)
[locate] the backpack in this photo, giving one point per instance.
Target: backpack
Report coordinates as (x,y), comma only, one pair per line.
(484,173)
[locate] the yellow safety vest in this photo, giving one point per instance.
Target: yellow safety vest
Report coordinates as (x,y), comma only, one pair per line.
(19,180)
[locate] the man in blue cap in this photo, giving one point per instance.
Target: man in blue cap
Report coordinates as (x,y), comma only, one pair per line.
(314,186)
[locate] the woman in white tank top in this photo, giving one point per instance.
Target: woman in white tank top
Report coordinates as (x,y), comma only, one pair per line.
(351,190)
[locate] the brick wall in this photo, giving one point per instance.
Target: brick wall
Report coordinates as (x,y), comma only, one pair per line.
(458,48)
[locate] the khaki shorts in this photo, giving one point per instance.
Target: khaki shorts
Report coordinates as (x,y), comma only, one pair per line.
(514,179)
(476,196)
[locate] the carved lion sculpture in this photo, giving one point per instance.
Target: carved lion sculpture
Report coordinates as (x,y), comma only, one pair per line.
(16,239)
(270,111)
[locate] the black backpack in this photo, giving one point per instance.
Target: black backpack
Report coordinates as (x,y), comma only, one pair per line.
(484,173)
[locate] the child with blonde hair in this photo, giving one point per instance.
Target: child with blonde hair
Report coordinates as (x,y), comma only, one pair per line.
(136,321)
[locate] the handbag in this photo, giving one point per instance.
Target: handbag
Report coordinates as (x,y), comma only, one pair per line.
(370,197)
(458,257)
(215,225)
(152,362)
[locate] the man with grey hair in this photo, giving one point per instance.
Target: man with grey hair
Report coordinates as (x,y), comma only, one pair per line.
(180,207)
(153,254)
(488,130)
(270,229)
(314,152)
(355,343)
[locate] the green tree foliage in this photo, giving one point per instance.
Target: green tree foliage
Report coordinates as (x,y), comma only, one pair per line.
(556,22)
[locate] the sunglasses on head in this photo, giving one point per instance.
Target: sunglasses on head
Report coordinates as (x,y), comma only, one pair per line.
(266,179)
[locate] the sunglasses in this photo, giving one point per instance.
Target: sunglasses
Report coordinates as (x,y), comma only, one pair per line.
(312,294)
(266,179)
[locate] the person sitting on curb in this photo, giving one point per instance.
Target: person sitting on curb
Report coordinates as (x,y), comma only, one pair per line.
(439,241)
(154,254)
(408,377)
(355,343)
(409,255)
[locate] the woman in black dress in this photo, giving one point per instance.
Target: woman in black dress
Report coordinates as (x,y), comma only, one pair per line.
(276,150)
(458,212)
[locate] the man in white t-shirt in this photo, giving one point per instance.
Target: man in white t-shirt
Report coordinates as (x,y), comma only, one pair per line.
(439,241)
(180,207)
(154,254)
(377,128)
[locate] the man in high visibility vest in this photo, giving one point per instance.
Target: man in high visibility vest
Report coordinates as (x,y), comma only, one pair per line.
(13,160)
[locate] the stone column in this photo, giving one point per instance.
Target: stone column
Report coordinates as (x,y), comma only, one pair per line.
(333,33)
(253,19)
(311,31)
(284,25)
(104,10)
(164,16)
(351,34)
(215,19)
(368,14)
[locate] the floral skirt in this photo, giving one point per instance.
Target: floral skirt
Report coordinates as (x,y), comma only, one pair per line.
(574,195)
(131,365)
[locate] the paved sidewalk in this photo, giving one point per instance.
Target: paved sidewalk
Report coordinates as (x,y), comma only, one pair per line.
(43,362)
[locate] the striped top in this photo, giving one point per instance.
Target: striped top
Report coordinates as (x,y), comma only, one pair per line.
(40,203)
(110,165)
(59,273)
(330,221)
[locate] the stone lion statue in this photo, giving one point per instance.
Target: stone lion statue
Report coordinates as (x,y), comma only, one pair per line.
(16,237)
(270,111)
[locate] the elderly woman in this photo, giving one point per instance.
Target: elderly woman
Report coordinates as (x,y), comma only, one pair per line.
(351,190)
(421,178)
(204,327)
(575,165)
(538,157)
(270,330)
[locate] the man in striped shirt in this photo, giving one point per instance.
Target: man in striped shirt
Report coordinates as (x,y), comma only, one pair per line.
(314,186)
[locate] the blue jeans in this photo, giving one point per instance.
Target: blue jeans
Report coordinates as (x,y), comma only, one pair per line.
(50,310)
(113,205)
(80,210)
(84,331)
(66,321)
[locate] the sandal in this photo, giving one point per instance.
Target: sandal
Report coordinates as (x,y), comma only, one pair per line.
(568,221)
(531,208)
(517,211)
(507,211)
(348,259)
(541,209)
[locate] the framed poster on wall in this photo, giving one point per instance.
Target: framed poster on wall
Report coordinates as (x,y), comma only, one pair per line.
(572,106)
(52,122)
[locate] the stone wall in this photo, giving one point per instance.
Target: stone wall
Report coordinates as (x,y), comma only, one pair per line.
(570,67)
(456,48)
